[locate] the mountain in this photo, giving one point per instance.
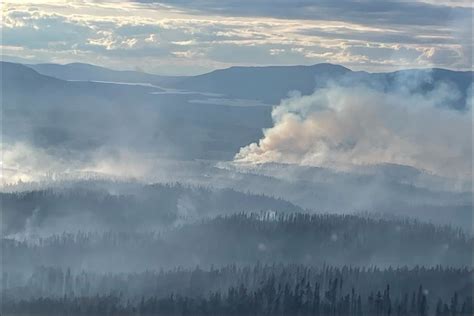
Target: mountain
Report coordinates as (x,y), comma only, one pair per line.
(18,78)
(53,113)
(82,115)
(14,74)
(272,83)
(19,60)
(87,72)
(267,84)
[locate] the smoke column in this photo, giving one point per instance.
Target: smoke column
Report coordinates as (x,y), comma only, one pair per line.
(346,126)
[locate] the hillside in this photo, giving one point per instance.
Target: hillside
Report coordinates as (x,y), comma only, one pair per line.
(150,207)
(246,239)
(64,115)
(87,72)
(270,84)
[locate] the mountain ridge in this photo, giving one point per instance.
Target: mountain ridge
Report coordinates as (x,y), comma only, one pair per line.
(269,84)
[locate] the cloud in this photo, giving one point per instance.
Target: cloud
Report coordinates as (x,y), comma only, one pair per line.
(36,30)
(343,126)
(366,12)
(191,37)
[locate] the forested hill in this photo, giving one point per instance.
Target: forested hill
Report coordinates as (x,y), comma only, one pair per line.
(140,207)
(246,239)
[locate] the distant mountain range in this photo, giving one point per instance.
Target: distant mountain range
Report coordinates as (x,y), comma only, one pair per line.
(268,84)
(87,72)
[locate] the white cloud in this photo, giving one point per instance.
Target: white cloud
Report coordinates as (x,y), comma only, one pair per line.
(124,33)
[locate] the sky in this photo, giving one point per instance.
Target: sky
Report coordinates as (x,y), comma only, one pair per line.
(184,37)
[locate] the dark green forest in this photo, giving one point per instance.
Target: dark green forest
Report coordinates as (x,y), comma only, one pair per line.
(250,290)
(263,263)
(248,238)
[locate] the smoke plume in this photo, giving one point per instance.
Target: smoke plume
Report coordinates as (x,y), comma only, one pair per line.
(343,126)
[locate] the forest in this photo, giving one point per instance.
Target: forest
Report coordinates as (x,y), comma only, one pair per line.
(248,290)
(267,237)
(98,206)
(264,263)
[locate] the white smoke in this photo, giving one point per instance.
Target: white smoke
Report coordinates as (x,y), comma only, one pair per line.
(342,127)
(24,163)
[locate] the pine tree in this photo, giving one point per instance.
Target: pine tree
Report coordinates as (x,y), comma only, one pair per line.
(454,305)
(439,307)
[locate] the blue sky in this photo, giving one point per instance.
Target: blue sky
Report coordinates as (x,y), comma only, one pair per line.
(189,37)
